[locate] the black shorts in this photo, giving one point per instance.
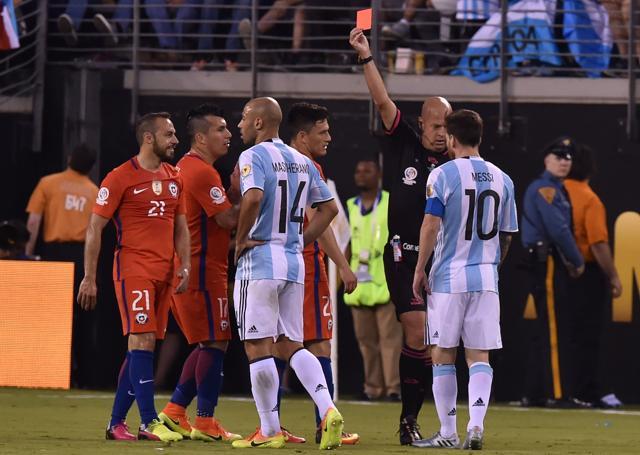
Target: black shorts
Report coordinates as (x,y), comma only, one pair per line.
(400,281)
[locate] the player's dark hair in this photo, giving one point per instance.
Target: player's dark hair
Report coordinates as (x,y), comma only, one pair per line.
(196,121)
(466,126)
(147,124)
(303,116)
(82,159)
(583,164)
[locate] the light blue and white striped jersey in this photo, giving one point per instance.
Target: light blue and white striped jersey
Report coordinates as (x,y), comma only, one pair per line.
(474,10)
(290,183)
(479,203)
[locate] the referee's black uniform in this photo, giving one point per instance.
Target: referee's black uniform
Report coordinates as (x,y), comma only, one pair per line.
(408,164)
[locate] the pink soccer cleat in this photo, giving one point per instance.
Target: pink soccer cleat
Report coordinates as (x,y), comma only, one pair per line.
(119,432)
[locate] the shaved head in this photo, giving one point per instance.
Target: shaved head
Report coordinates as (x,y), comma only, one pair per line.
(434,110)
(260,115)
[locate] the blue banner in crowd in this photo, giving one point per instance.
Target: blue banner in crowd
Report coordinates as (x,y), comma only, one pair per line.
(587,31)
(530,39)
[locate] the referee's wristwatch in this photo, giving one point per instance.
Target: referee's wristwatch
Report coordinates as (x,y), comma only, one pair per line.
(364,61)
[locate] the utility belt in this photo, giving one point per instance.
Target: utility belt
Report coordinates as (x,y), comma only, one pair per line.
(540,251)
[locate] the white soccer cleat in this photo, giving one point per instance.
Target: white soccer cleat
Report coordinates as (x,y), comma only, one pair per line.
(473,441)
(437,441)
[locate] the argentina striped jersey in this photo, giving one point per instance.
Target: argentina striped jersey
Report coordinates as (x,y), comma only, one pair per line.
(290,183)
(475,10)
(479,203)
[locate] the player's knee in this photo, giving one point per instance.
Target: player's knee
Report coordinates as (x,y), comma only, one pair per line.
(256,349)
(142,341)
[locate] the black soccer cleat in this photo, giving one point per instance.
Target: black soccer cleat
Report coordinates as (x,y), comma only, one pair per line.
(409,430)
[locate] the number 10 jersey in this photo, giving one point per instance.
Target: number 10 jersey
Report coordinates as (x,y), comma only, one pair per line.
(290,182)
(476,202)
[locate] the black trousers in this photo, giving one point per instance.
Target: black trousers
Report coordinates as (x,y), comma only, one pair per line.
(589,296)
(85,334)
(547,368)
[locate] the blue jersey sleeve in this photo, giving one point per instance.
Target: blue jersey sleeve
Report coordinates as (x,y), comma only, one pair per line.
(251,171)
(318,190)
(509,222)
(436,194)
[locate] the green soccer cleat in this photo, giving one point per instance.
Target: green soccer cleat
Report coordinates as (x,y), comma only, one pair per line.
(331,426)
(157,431)
(259,441)
(178,424)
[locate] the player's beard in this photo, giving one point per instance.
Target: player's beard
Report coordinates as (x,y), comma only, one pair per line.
(162,152)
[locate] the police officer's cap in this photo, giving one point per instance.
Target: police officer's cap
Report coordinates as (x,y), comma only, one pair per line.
(562,148)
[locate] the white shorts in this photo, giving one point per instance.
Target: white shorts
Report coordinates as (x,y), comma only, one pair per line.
(474,316)
(268,308)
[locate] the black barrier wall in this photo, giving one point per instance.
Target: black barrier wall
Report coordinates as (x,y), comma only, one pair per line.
(533,125)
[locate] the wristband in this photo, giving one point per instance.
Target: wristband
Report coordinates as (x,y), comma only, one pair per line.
(364,61)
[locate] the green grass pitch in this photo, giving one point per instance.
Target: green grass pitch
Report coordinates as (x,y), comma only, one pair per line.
(73,422)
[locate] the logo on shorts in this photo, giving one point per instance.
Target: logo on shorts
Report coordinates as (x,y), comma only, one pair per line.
(103,195)
(410,175)
(252,329)
(478,402)
(216,195)
(320,387)
(142,318)
(224,325)
(415,301)
(173,189)
(436,335)
(452,412)
(156,186)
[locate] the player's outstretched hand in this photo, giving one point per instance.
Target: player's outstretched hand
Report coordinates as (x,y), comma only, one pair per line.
(420,285)
(183,276)
(87,294)
(242,247)
(359,42)
(349,279)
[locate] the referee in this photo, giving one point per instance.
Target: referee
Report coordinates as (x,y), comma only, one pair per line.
(417,153)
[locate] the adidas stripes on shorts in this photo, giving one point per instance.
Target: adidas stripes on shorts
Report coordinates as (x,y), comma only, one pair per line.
(268,308)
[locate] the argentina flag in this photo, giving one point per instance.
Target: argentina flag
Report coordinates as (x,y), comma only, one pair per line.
(8,26)
(530,39)
(586,29)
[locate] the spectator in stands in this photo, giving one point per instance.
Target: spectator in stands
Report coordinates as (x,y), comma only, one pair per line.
(271,18)
(401,30)
(69,23)
(619,18)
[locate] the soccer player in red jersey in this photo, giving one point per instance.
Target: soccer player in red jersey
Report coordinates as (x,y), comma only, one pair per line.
(310,136)
(144,199)
(202,312)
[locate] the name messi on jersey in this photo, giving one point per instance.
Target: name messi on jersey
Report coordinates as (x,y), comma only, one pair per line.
(293,168)
(482,176)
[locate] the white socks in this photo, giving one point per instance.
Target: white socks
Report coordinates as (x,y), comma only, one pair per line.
(309,372)
(264,387)
(445,393)
(480,378)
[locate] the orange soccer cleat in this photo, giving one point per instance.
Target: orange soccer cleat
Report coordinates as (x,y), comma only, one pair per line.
(209,429)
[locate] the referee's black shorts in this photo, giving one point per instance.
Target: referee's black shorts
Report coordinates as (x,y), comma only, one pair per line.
(400,281)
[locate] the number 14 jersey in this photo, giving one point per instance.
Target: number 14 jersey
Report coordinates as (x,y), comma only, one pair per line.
(143,206)
(290,182)
(476,202)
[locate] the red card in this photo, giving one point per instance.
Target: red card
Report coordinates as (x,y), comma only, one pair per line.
(363,19)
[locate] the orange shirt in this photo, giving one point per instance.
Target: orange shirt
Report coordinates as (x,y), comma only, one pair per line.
(204,199)
(64,200)
(315,269)
(589,217)
(143,206)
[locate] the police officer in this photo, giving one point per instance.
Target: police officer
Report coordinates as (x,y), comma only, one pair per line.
(547,236)
(413,154)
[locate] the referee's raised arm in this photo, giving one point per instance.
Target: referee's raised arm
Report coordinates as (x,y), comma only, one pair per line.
(384,104)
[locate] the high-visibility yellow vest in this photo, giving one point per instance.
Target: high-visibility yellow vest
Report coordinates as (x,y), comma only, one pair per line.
(369,233)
